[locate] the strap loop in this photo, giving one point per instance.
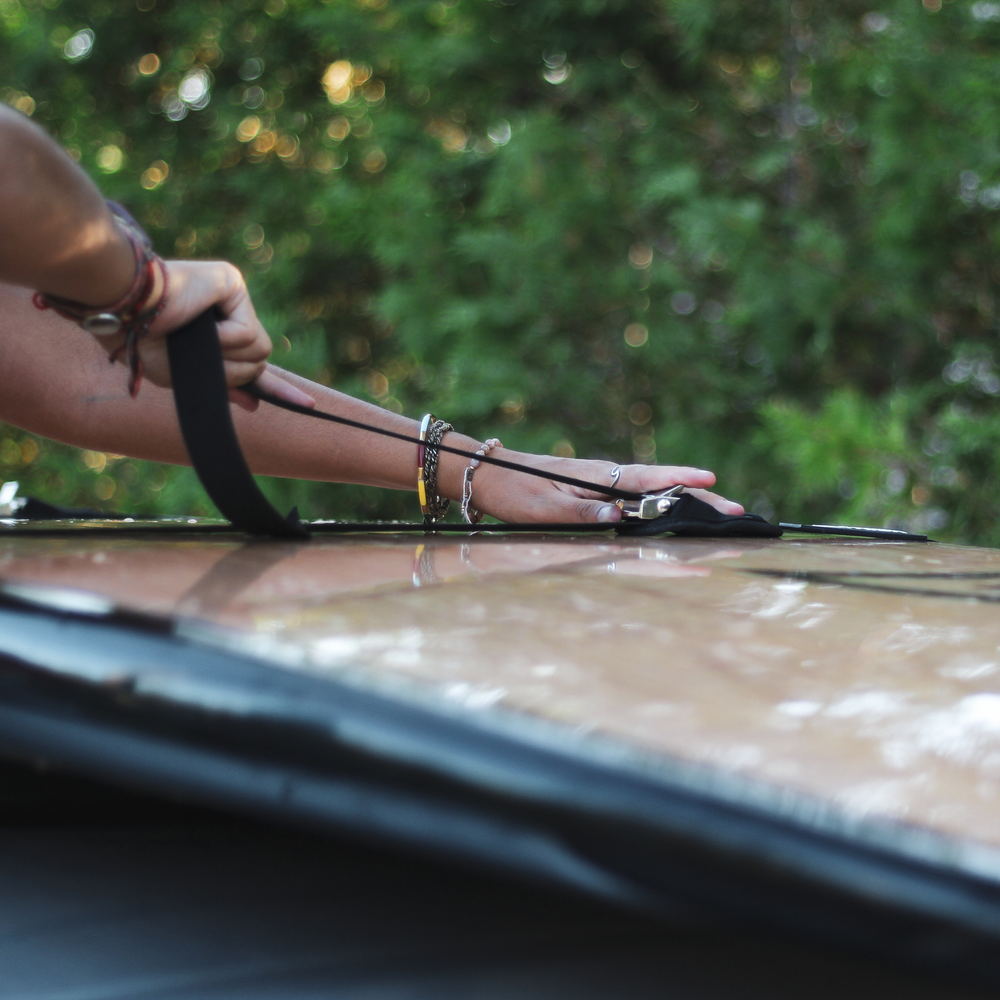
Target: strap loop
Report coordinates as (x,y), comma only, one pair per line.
(202,400)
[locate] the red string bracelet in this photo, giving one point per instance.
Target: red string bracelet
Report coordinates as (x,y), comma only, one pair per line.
(131,313)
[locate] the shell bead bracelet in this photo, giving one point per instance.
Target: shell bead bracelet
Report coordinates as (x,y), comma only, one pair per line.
(469,514)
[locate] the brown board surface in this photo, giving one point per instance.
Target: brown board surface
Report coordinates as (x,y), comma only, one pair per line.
(850,689)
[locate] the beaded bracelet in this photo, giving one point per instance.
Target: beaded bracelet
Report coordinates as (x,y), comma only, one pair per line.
(469,514)
(432,430)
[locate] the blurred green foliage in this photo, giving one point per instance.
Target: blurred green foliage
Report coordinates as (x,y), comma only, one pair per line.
(750,235)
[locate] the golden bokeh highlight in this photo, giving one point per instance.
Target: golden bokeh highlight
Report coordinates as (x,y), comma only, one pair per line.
(636,335)
(24,103)
(96,461)
(253,236)
(374,162)
(148,64)
(343,77)
(512,410)
(287,148)
(187,241)
(154,175)
(265,141)
(248,128)
(104,488)
(339,128)
(640,255)
(378,384)
(640,413)
(453,137)
(337,81)
(110,159)
(325,162)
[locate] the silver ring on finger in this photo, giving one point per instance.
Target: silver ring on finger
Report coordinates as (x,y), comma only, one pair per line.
(615,475)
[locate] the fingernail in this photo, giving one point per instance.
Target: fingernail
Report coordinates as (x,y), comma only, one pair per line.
(609,512)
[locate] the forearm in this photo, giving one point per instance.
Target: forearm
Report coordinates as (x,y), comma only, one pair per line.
(57,383)
(59,236)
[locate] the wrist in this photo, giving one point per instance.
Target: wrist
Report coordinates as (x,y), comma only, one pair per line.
(451,468)
(120,325)
(109,273)
(493,486)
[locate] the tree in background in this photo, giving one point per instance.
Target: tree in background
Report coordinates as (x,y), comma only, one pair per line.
(755,236)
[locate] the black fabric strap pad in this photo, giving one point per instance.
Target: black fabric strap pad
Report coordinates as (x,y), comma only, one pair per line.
(691,516)
(202,400)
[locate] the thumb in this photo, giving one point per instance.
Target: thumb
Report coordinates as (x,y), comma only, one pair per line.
(575,510)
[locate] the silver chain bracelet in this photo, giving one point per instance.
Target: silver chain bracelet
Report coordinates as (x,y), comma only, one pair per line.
(469,514)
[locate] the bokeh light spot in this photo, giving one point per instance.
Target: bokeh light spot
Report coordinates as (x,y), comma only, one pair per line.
(640,413)
(79,46)
(378,384)
(640,255)
(94,460)
(110,159)
(287,147)
(248,128)
(154,175)
(337,81)
(104,488)
(374,161)
(636,335)
(253,236)
(339,128)
(683,303)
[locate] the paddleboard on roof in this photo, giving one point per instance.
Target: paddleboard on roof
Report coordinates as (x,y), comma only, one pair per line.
(803,732)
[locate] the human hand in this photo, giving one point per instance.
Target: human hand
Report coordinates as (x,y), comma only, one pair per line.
(193,287)
(514,496)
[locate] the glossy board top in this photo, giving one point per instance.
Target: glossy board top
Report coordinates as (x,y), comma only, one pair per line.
(865,674)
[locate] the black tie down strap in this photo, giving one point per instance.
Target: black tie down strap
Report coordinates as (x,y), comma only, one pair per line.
(202,400)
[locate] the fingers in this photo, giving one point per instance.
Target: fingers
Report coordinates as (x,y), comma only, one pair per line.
(273,383)
(242,343)
(514,497)
(721,504)
(654,478)
(241,372)
(269,382)
(565,508)
(195,286)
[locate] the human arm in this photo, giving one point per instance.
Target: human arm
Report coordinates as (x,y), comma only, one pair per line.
(57,384)
(61,239)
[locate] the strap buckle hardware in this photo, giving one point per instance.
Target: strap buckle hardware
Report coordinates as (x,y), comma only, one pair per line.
(651,505)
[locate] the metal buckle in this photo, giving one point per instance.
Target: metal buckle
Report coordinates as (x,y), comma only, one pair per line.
(651,505)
